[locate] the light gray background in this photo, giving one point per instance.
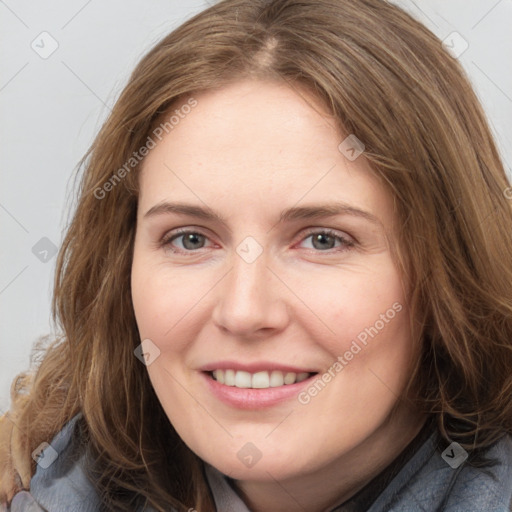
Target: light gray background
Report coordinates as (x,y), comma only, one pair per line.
(52,107)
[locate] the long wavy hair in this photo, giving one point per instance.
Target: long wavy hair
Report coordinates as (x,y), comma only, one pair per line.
(386,79)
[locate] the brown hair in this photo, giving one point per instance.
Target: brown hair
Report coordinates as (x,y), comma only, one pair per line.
(386,79)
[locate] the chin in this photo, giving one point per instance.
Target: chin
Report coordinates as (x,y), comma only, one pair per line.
(248,464)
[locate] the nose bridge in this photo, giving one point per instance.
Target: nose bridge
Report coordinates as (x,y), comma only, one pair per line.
(248,282)
(249,297)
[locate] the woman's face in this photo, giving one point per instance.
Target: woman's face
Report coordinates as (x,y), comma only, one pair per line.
(262,256)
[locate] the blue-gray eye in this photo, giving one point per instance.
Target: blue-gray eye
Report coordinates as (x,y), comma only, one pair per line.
(323,241)
(191,240)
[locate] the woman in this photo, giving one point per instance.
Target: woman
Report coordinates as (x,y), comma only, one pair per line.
(286,285)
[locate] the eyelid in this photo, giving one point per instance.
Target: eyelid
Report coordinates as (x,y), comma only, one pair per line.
(329,231)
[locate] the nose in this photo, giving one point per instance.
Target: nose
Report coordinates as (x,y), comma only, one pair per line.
(250,300)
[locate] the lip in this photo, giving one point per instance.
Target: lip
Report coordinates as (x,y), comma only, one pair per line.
(253,399)
(258,366)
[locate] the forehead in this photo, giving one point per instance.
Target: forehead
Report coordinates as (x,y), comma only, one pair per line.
(256,143)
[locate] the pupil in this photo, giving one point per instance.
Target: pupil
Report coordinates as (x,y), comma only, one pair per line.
(322,238)
(191,239)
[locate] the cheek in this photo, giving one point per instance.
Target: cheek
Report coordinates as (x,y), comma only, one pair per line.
(161,300)
(360,306)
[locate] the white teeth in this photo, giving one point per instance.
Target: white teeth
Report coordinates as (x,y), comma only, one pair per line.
(229,377)
(243,380)
(258,380)
(289,378)
(276,379)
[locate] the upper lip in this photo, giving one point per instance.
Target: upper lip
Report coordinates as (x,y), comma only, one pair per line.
(254,367)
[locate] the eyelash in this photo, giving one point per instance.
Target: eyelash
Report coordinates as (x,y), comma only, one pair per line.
(345,242)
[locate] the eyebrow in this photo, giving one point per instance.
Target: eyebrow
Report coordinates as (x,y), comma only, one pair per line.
(290,214)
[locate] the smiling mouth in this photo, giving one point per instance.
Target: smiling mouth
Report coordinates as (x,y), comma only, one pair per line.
(258,380)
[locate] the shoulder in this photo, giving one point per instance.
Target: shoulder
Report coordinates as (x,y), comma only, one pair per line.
(429,482)
(487,489)
(60,481)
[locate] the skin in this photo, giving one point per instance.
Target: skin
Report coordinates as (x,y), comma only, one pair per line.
(248,151)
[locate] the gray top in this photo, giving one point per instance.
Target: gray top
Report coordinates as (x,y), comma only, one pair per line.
(421,479)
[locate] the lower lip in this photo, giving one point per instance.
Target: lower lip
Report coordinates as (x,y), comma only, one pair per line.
(249,398)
